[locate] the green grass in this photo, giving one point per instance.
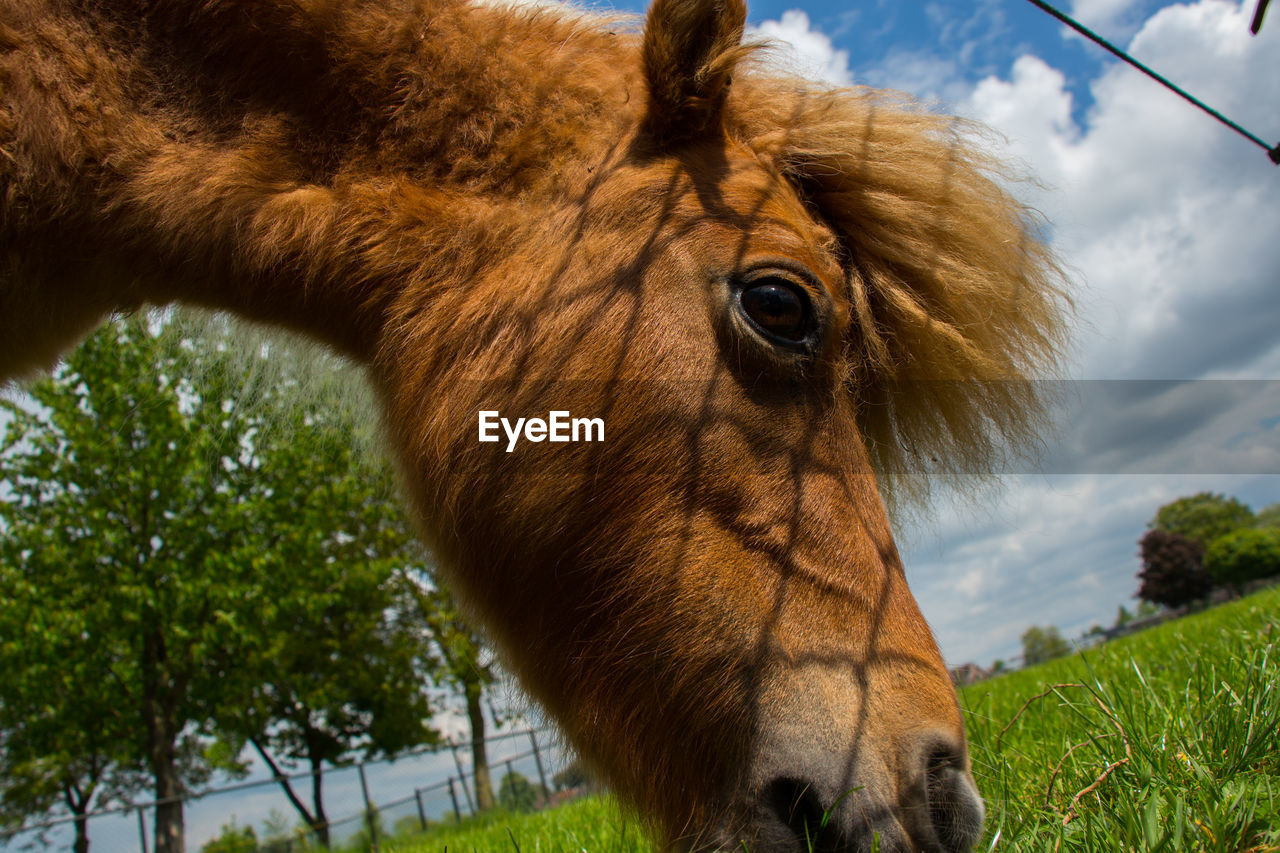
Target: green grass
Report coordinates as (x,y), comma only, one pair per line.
(1166,740)
(592,824)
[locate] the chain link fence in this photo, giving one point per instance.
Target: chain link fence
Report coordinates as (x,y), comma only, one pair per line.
(365,803)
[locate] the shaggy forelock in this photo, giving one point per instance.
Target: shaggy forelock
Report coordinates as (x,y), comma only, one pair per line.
(959,304)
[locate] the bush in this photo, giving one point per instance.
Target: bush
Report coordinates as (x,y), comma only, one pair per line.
(234,839)
(572,776)
(1268,516)
(518,794)
(1042,644)
(1237,558)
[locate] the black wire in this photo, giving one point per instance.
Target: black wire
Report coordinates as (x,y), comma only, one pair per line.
(1272,152)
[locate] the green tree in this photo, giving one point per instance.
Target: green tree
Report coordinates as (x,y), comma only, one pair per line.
(373,832)
(518,794)
(1202,517)
(123,515)
(463,662)
(1268,516)
(409,827)
(191,555)
(574,775)
(1237,558)
(1043,644)
(1172,570)
(340,668)
(79,759)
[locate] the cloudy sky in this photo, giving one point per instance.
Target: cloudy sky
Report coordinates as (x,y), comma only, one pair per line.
(1168,222)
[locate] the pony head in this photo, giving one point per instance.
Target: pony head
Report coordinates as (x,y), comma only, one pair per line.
(779,300)
(775,296)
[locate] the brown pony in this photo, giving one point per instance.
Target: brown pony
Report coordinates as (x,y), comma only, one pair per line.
(772,293)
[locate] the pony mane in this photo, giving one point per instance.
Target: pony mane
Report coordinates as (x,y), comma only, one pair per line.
(959,303)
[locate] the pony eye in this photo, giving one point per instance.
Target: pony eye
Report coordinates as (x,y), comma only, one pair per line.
(777,308)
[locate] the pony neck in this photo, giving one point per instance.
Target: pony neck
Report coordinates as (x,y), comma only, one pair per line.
(293,166)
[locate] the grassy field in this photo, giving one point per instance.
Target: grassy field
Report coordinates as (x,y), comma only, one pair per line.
(1166,740)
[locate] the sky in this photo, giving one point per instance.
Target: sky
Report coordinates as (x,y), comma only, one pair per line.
(1168,223)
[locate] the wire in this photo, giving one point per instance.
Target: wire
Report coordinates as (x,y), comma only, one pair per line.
(1257,16)
(1272,152)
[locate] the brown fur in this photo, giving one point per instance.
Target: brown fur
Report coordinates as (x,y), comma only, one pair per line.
(501,208)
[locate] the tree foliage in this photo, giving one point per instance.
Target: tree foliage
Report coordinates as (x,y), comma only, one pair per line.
(574,775)
(233,839)
(1202,517)
(340,667)
(177,559)
(81,757)
(463,663)
(1043,644)
(124,522)
(517,794)
(1245,555)
(1268,516)
(1172,571)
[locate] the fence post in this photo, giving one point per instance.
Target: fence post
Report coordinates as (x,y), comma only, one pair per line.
(542,774)
(422,813)
(369,817)
(462,778)
(142,829)
(453,795)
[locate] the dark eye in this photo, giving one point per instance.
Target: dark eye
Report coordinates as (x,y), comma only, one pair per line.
(778,308)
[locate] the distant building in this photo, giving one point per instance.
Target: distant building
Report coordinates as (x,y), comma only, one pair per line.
(969,673)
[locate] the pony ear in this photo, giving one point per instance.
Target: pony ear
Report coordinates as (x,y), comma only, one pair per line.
(690,47)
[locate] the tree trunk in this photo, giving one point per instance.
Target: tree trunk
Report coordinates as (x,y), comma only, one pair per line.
(162,750)
(81,844)
(479,758)
(77,800)
(315,819)
(168,816)
(320,823)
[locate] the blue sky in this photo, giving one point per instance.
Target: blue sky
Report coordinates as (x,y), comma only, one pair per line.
(1166,221)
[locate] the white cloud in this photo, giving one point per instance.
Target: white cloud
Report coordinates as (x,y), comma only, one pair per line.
(1167,219)
(1167,214)
(1059,550)
(1033,109)
(803,50)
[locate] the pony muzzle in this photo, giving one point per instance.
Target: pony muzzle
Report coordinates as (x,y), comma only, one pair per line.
(821,800)
(870,758)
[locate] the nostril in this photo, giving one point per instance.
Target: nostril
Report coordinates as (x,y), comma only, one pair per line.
(939,760)
(955,810)
(796,804)
(938,795)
